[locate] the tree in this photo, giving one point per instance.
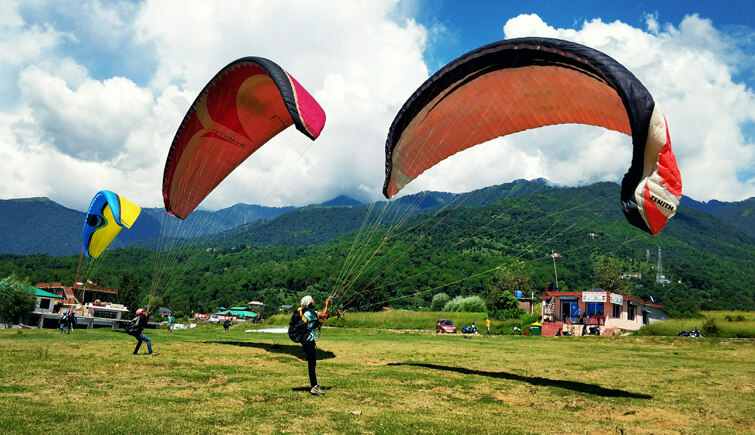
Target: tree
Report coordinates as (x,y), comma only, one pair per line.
(15,300)
(505,306)
(516,276)
(608,271)
(439,301)
(130,290)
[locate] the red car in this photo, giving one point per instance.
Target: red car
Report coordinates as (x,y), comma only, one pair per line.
(445,326)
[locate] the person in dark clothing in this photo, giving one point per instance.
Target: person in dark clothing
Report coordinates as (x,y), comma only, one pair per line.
(137,330)
(314,320)
(227,324)
(71,320)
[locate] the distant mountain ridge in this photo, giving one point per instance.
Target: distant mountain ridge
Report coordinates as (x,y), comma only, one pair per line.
(341,201)
(740,214)
(415,245)
(32,225)
(39,225)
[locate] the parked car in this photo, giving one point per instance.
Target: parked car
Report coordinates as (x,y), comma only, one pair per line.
(445,326)
(213,319)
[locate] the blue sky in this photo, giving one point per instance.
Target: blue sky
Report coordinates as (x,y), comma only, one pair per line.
(99,87)
(467,26)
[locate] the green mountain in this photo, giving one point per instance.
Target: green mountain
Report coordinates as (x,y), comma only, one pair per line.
(403,252)
(39,225)
(740,214)
(32,225)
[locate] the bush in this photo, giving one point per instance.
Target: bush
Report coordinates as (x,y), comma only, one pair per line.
(710,328)
(469,304)
(505,306)
(511,313)
(529,319)
(439,301)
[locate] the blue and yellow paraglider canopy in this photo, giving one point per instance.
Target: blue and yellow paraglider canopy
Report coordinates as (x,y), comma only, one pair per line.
(108,213)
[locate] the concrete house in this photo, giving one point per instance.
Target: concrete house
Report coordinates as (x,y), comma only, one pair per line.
(610,312)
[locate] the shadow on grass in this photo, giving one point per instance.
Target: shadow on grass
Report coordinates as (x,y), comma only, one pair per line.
(290,349)
(536,380)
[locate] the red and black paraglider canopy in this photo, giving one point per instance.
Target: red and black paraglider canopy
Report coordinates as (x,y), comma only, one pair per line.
(526,83)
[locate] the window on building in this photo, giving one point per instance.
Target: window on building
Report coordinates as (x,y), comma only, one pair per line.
(595,308)
(44,304)
(630,312)
(617,311)
(105,314)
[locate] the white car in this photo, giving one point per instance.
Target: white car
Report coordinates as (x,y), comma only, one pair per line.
(213,319)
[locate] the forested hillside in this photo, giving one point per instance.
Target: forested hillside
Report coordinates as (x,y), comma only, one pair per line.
(394,255)
(740,214)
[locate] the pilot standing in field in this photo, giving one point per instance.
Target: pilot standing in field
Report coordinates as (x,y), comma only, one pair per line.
(137,330)
(314,321)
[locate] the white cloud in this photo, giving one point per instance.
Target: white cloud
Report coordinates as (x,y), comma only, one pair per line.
(359,76)
(689,72)
(67,134)
(88,123)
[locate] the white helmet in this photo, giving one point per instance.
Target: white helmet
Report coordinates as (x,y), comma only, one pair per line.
(306,301)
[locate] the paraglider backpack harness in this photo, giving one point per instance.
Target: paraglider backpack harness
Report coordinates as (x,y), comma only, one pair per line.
(133,327)
(297,326)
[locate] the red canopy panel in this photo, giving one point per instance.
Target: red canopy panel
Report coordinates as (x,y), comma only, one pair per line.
(500,103)
(245,105)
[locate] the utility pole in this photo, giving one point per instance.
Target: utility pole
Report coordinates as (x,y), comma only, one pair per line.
(554,255)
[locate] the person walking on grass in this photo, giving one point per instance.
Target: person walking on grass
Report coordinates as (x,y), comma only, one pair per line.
(137,330)
(487,324)
(314,321)
(63,322)
(227,324)
(170,323)
(71,320)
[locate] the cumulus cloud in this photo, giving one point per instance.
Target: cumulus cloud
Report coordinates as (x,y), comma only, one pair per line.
(71,129)
(89,122)
(359,77)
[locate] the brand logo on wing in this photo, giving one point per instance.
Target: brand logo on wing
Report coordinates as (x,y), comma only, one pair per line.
(661,203)
(228,138)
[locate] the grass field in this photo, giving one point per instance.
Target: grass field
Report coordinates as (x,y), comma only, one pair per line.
(727,324)
(207,381)
(396,319)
